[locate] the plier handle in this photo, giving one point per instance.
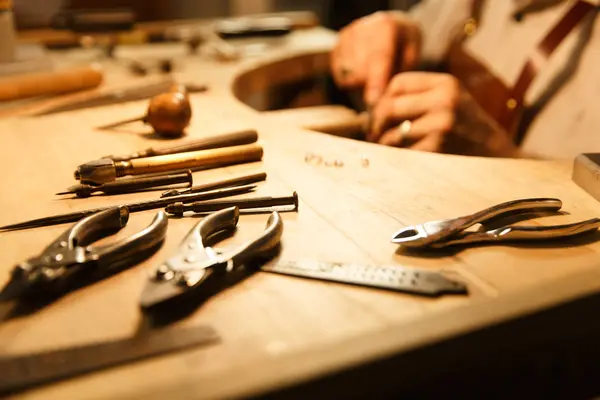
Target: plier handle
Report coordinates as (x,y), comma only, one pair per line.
(71,257)
(196,263)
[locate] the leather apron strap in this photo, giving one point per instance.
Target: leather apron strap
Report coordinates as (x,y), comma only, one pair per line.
(534,63)
(506,104)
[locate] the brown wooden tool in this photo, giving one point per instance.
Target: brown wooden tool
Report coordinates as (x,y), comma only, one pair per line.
(246,136)
(168,113)
(106,170)
(50,83)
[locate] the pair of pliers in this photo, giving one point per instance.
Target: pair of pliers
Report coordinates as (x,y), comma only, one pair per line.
(70,259)
(195,264)
(438,234)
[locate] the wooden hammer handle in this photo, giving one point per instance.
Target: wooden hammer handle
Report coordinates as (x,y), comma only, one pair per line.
(50,83)
(194,159)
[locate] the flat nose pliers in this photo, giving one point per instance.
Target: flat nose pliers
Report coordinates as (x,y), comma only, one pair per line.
(195,263)
(71,259)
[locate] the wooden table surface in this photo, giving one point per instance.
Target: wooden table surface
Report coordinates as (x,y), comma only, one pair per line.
(278,330)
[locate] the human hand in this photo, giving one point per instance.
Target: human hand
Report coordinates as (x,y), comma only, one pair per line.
(430,111)
(371,49)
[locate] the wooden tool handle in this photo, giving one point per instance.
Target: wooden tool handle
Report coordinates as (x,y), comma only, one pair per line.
(195,159)
(50,83)
(211,142)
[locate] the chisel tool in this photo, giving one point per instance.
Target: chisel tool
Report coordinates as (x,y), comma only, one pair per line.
(106,170)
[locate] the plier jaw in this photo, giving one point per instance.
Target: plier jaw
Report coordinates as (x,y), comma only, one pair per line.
(196,263)
(71,258)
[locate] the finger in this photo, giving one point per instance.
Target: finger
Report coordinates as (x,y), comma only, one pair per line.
(382,53)
(431,143)
(342,59)
(440,121)
(400,137)
(351,68)
(400,108)
(335,64)
(416,82)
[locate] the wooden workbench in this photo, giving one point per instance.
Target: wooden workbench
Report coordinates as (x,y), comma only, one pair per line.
(279,332)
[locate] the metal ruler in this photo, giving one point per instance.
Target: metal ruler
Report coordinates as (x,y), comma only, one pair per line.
(390,277)
(21,372)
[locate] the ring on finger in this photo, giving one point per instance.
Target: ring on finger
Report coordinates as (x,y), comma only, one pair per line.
(404,129)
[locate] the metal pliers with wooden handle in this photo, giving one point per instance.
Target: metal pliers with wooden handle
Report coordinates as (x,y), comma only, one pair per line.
(196,264)
(70,259)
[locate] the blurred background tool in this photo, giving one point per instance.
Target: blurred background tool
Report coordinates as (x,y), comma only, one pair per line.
(108,22)
(18,58)
(108,96)
(168,113)
(95,20)
(253,27)
(212,142)
(106,170)
(128,185)
(50,83)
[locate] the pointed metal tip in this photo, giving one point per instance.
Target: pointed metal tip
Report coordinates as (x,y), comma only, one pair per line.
(169,193)
(406,234)
(67,192)
(20,225)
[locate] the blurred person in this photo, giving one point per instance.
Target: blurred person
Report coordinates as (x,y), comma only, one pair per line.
(507,78)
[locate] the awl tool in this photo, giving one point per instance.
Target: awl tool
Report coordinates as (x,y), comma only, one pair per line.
(242,180)
(128,185)
(133,207)
(168,113)
(107,170)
